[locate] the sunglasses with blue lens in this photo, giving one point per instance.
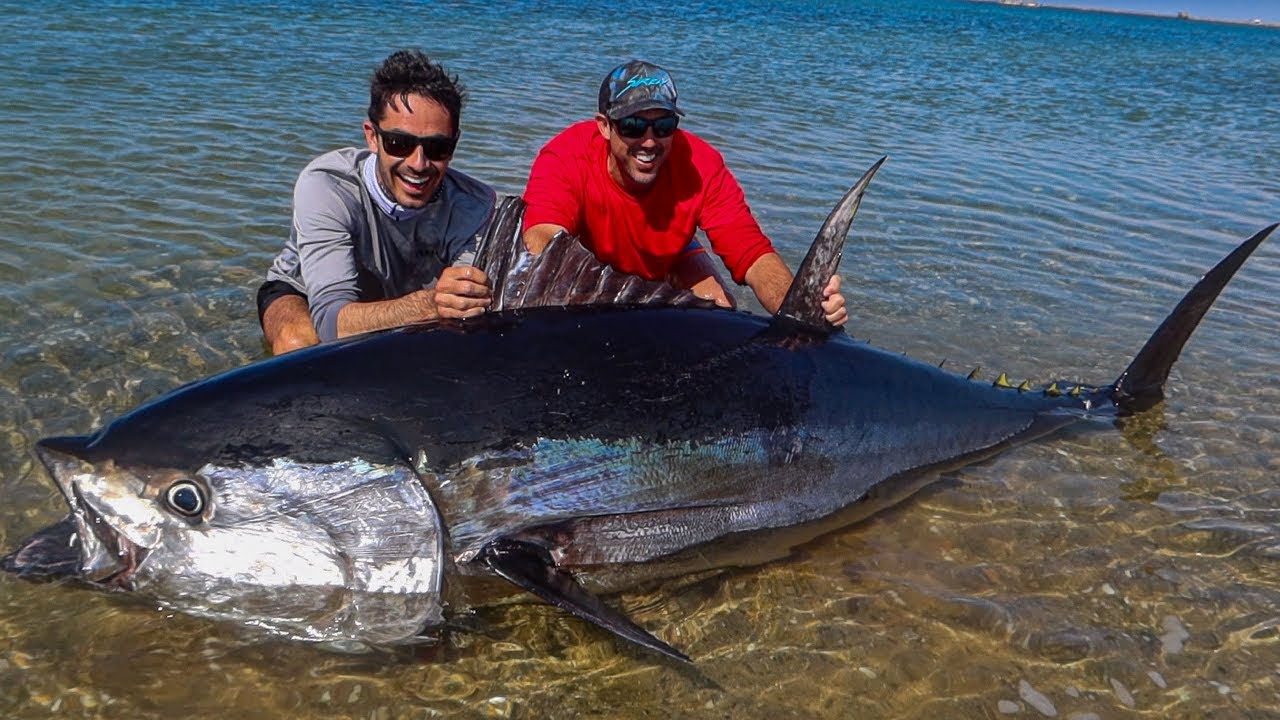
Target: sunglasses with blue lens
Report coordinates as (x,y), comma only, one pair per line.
(634,126)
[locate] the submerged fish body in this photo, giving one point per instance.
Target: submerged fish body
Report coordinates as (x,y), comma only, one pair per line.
(332,493)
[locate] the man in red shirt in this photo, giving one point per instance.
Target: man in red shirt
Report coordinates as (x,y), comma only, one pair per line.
(634,188)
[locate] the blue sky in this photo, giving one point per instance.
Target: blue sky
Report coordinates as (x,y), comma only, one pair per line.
(1265,10)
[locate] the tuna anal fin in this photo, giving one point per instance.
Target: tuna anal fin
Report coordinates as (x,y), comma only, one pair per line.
(529,567)
(803,302)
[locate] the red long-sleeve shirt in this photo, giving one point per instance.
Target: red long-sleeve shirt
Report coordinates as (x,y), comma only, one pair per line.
(569,185)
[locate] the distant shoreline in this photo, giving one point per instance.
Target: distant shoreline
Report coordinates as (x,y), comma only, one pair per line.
(1110,11)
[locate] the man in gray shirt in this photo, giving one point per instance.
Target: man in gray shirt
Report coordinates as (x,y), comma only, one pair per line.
(386,235)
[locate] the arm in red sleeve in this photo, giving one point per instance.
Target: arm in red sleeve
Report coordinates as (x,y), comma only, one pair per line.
(733,231)
(552,195)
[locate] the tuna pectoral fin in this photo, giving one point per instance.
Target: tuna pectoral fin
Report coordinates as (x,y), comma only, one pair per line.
(803,303)
(50,554)
(1141,385)
(528,566)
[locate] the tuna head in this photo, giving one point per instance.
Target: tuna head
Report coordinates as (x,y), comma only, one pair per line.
(347,553)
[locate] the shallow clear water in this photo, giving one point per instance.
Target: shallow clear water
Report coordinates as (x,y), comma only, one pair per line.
(1056,180)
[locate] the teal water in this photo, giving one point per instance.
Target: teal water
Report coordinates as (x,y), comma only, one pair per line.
(1056,180)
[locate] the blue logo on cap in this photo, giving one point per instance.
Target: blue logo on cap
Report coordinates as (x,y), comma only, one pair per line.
(637,82)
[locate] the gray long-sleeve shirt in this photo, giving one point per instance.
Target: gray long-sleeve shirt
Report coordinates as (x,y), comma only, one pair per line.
(344,247)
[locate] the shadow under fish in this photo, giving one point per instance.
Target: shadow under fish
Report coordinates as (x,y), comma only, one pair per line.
(593,425)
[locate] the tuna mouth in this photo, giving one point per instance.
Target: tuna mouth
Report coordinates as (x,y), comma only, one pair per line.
(50,554)
(80,546)
(110,559)
(83,545)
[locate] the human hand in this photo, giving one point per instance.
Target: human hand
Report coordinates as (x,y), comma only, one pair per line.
(461,292)
(695,272)
(833,303)
(709,288)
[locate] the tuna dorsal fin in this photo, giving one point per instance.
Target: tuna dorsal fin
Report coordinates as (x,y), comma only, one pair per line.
(1141,385)
(564,273)
(803,302)
(528,566)
(501,244)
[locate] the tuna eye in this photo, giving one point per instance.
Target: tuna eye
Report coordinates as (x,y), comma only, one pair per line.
(186,498)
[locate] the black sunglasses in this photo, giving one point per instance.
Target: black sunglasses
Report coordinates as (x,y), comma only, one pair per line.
(400,144)
(634,126)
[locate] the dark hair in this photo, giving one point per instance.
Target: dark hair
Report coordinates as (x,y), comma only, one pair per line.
(411,72)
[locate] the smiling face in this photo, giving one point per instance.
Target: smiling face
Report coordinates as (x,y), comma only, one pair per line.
(634,163)
(414,179)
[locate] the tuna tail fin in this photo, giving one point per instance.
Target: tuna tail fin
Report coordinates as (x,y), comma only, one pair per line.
(803,302)
(1141,385)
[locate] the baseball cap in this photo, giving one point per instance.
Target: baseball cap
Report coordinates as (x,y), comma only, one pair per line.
(636,86)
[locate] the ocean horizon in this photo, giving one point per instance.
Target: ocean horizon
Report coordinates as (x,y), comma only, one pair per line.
(1266,17)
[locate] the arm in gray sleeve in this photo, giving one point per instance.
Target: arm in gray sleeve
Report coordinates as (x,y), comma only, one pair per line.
(468,255)
(326,219)
(470,219)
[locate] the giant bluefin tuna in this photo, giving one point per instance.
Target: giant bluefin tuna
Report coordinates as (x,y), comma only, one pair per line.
(339,493)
